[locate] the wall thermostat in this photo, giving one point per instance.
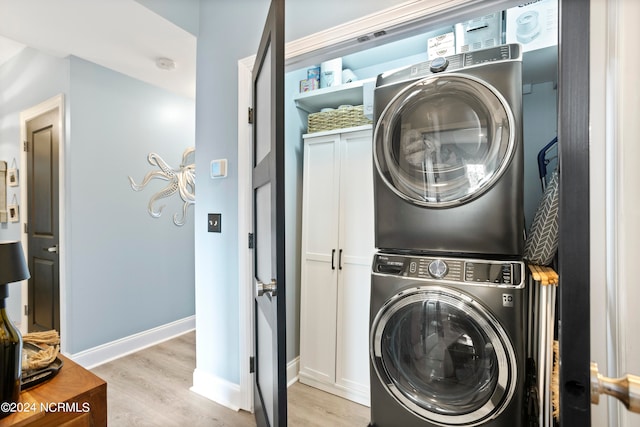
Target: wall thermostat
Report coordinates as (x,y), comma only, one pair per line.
(218,168)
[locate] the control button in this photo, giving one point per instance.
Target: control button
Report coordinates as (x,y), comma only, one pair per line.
(438,268)
(413,267)
(439,64)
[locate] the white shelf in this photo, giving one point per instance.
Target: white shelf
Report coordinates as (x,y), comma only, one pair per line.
(331,97)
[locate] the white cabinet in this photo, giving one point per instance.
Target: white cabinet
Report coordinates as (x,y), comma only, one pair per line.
(337,250)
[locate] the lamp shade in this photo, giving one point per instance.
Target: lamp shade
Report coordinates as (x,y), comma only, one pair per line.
(13,266)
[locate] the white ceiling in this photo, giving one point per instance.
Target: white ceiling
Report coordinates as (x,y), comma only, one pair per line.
(121,35)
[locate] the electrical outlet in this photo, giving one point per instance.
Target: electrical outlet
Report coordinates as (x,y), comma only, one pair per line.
(213,223)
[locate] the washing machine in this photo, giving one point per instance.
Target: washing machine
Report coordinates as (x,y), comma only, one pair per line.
(448,156)
(447,342)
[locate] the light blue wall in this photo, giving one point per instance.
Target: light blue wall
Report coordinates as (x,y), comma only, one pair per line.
(126,271)
(26,80)
(129,272)
(229,31)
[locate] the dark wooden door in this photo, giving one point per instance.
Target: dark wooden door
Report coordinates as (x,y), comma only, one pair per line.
(42,221)
(574,225)
(270,382)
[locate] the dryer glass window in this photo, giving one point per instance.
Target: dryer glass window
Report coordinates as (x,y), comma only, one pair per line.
(444,140)
(442,357)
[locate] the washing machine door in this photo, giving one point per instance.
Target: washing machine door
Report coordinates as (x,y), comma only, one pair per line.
(443,356)
(444,140)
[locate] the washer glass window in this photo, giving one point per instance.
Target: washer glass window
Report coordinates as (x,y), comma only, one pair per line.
(443,358)
(444,140)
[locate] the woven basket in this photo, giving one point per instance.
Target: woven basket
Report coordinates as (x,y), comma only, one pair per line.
(344,117)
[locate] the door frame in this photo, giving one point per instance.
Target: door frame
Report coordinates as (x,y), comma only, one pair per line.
(573,108)
(50,104)
(613,254)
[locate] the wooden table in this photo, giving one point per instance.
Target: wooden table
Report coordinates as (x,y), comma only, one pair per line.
(74,397)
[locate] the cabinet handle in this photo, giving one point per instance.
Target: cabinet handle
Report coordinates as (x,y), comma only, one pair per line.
(340,260)
(333,255)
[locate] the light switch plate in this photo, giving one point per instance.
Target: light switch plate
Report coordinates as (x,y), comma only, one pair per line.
(214,223)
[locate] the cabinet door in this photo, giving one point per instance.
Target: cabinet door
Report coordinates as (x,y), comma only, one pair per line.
(319,259)
(355,256)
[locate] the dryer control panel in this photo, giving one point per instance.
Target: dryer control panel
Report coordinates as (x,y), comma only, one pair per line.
(507,52)
(458,270)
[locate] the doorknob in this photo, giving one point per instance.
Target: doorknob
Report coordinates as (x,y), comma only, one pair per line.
(625,389)
(266,288)
(52,249)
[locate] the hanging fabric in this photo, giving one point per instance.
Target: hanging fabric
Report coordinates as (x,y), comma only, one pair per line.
(542,242)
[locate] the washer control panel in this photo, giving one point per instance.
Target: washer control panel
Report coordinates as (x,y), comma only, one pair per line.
(487,272)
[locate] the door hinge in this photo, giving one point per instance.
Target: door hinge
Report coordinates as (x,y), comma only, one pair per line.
(250,116)
(251,240)
(25,145)
(252,367)
(26,310)
(26,228)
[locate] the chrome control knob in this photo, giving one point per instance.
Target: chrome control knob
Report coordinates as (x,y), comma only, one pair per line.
(439,64)
(438,268)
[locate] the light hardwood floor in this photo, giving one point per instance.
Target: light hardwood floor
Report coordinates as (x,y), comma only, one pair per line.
(151,388)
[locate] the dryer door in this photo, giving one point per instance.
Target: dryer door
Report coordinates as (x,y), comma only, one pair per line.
(444,140)
(443,356)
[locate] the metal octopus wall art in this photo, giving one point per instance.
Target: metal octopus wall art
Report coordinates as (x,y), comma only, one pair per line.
(181,181)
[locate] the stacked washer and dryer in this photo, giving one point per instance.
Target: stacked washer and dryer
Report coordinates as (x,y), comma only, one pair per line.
(448,300)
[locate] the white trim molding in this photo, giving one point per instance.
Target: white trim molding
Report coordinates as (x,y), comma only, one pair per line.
(293,368)
(245,226)
(217,389)
(623,209)
(614,179)
(387,20)
(116,349)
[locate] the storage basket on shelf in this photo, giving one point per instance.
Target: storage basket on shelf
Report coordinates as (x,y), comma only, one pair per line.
(342,117)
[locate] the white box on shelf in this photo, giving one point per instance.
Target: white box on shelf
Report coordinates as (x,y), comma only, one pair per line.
(534,24)
(441,45)
(331,73)
(443,51)
(479,33)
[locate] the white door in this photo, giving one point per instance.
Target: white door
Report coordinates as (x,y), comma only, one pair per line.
(354,263)
(319,258)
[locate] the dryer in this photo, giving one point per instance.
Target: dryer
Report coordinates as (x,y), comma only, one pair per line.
(447,342)
(448,156)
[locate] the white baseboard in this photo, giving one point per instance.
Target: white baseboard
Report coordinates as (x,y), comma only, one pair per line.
(293,368)
(115,349)
(217,389)
(358,395)
(229,394)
